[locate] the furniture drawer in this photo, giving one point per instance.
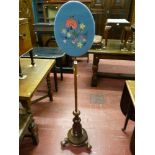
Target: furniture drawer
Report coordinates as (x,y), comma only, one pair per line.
(24,36)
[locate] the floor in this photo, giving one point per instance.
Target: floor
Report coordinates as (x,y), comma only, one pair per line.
(100,114)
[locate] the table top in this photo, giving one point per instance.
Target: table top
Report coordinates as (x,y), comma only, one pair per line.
(116,21)
(35,74)
(46,53)
(113,47)
(131,88)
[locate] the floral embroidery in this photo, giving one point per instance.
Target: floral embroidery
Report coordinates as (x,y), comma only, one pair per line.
(74,32)
(64,31)
(71,23)
(68,34)
(82,26)
(79,44)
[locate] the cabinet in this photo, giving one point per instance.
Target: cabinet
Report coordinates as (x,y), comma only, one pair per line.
(25,11)
(116,9)
(99,11)
(45,10)
(25,44)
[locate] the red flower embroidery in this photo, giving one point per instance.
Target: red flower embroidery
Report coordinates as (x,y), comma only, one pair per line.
(71,23)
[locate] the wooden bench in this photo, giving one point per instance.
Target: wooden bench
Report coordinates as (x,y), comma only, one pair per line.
(114,52)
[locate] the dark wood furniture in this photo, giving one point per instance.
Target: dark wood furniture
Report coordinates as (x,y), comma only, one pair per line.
(117,24)
(50,8)
(128,102)
(45,10)
(25,11)
(25,44)
(34,76)
(26,124)
(104,9)
(127,105)
(111,52)
(42,9)
(127,36)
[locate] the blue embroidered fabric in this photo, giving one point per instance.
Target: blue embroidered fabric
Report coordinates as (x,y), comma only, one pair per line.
(74,28)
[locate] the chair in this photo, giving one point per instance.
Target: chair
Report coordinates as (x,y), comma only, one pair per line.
(26,126)
(42,52)
(98,39)
(97,42)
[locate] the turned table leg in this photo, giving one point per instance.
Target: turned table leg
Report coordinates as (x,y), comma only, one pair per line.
(49,87)
(55,78)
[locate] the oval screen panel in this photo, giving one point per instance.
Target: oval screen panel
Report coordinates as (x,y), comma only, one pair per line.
(74,28)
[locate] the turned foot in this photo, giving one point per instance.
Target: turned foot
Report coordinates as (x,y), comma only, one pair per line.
(33,129)
(64,142)
(89,147)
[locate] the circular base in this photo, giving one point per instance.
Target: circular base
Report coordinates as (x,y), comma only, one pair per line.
(77,140)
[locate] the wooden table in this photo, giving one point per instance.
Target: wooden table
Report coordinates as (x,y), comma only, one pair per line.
(128,108)
(112,51)
(128,101)
(35,74)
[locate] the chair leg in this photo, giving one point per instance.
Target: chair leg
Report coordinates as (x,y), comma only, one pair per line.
(33,129)
(106,34)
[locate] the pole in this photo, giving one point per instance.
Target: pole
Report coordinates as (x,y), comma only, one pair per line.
(75,84)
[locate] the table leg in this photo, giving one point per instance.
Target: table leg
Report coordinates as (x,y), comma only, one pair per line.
(26,104)
(95,69)
(20,70)
(132,143)
(61,71)
(49,87)
(31,56)
(55,78)
(127,118)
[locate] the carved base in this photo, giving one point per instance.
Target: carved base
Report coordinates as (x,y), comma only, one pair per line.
(77,136)
(77,141)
